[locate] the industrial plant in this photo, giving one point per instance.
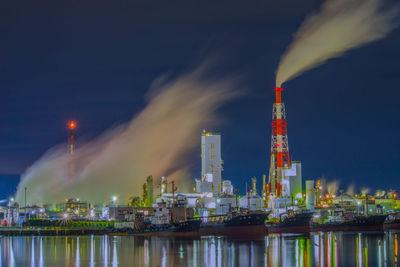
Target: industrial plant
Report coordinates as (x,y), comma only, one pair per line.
(215,206)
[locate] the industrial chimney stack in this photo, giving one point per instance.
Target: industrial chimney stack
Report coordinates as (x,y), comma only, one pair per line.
(71,137)
(279,144)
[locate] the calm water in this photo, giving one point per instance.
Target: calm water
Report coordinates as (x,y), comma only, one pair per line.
(329,249)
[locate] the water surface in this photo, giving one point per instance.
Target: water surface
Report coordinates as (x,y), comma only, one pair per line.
(323,249)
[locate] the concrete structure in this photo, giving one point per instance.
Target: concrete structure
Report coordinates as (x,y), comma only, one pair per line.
(310,195)
(211,162)
(292,180)
(71,137)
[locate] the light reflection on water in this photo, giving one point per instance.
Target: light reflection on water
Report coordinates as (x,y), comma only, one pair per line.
(320,249)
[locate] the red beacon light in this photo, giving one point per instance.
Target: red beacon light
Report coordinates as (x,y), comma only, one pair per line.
(71,125)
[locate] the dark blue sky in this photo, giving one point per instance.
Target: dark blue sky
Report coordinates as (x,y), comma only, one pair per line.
(94,61)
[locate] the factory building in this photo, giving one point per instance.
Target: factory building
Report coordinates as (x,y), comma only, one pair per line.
(292,180)
(211,162)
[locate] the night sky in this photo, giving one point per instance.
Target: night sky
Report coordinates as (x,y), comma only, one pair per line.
(94,61)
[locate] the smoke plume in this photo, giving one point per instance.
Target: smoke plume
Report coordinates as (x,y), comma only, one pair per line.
(333,187)
(350,190)
(339,26)
(365,191)
(158,142)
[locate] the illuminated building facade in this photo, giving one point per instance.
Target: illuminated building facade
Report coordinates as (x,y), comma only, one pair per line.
(211,162)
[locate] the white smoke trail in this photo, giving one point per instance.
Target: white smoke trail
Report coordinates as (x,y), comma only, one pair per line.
(339,26)
(350,190)
(332,187)
(365,191)
(156,142)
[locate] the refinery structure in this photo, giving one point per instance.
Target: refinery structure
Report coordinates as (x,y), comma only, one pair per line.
(213,196)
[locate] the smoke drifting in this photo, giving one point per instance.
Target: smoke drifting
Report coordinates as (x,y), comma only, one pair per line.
(332,187)
(339,26)
(158,141)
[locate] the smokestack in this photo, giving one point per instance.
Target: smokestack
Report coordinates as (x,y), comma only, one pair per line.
(254,185)
(279,144)
(71,137)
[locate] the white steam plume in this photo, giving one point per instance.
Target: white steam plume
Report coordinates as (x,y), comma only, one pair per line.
(339,26)
(333,187)
(156,142)
(350,190)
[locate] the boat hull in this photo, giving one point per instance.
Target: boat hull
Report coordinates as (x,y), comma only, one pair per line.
(359,224)
(300,223)
(188,228)
(394,225)
(243,225)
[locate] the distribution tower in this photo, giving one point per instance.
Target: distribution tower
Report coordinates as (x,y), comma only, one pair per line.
(280,159)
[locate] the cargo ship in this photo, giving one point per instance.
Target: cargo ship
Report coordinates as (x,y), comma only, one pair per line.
(354,223)
(186,228)
(173,220)
(292,222)
(236,224)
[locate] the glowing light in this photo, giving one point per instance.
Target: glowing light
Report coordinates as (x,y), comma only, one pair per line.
(114,198)
(72,125)
(65,215)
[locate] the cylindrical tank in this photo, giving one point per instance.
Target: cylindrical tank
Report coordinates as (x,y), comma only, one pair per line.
(310,194)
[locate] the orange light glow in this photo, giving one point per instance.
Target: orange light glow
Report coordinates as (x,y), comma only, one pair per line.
(72,125)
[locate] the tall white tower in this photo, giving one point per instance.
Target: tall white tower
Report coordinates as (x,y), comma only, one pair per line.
(211,162)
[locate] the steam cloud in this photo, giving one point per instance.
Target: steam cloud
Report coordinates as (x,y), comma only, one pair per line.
(339,26)
(156,142)
(333,187)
